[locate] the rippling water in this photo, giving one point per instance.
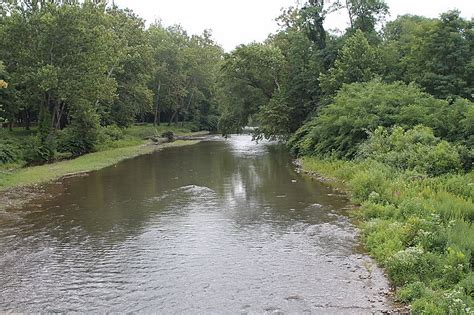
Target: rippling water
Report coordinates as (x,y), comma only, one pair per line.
(218,227)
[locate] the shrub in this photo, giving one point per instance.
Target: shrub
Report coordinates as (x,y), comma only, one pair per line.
(9,152)
(416,149)
(82,135)
(113,132)
(366,182)
(467,285)
(360,108)
(39,151)
(461,237)
(410,265)
(411,292)
(383,238)
(372,209)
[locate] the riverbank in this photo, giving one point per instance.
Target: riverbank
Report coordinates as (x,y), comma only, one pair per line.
(418,228)
(19,184)
(86,163)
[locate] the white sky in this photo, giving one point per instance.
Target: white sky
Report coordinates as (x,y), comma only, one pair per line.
(243,21)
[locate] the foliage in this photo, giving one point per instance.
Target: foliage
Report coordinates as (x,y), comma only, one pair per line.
(37,150)
(9,151)
(416,149)
(70,65)
(360,108)
(419,228)
(435,53)
(357,62)
(82,135)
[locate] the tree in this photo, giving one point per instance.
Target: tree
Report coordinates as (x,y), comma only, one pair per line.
(3,86)
(365,14)
(449,58)
(434,53)
(359,108)
(185,74)
(249,78)
(358,62)
(133,69)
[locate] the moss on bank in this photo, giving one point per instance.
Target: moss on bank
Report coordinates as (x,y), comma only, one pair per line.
(418,227)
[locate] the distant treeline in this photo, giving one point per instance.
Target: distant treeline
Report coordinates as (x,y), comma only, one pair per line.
(70,67)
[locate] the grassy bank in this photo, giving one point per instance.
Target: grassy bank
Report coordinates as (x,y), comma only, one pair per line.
(418,227)
(89,162)
(132,144)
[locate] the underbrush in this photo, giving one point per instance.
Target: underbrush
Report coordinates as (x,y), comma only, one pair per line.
(20,147)
(418,227)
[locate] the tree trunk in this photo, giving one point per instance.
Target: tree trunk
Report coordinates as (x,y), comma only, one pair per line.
(27,120)
(157,108)
(187,107)
(172,117)
(59,115)
(349,10)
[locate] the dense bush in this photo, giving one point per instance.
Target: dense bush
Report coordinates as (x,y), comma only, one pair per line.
(110,133)
(360,108)
(37,150)
(9,152)
(419,228)
(82,135)
(416,149)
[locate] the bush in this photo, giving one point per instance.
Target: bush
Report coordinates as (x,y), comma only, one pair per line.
(9,152)
(410,265)
(366,182)
(418,227)
(39,151)
(109,134)
(113,132)
(416,149)
(82,135)
(360,108)
(383,238)
(411,292)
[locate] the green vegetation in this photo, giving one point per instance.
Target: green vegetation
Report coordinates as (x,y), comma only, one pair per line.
(388,109)
(78,70)
(419,228)
(391,114)
(116,147)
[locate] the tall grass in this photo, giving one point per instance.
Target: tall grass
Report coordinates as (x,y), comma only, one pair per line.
(419,228)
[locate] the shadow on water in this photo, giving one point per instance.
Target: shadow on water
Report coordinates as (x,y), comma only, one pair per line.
(222,226)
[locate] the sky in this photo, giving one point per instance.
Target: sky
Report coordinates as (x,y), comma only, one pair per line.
(243,21)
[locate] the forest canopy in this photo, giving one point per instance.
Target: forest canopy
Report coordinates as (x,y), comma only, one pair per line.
(73,67)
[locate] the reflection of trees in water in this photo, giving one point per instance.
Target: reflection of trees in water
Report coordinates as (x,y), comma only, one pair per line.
(123,198)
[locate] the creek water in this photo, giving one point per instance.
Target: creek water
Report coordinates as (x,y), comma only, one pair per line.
(224,226)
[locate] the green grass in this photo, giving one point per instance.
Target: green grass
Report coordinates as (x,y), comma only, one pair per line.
(133,144)
(419,228)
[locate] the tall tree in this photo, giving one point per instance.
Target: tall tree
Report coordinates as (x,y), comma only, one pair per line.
(133,69)
(358,62)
